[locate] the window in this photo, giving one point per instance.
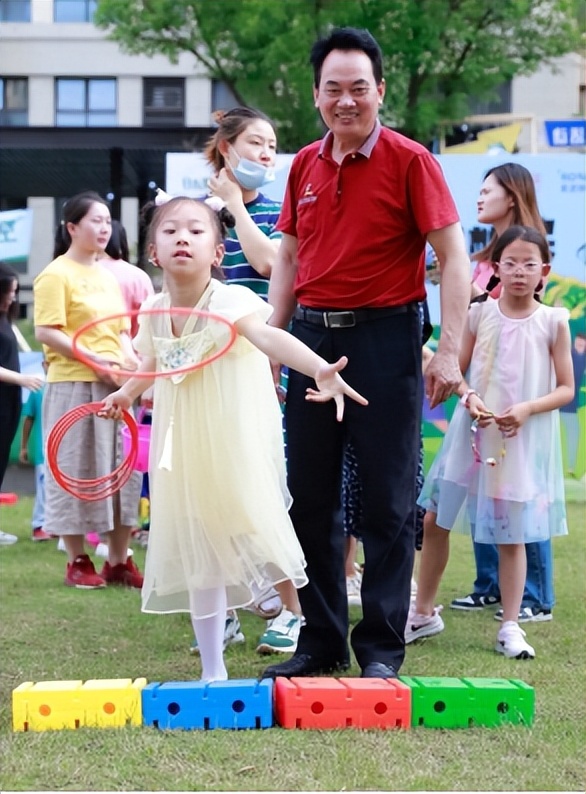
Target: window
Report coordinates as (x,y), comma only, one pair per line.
(222,97)
(86,103)
(13,102)
(15,10)
(164,102)
(500,104)
(74,10)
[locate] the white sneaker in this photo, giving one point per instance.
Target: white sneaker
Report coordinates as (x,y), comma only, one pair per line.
(6,539)
(232,633)
(353,584)
(419,626)
(282,634)
(511,642)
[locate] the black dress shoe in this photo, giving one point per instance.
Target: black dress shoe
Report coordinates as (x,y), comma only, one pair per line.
(378,670)
(304,664)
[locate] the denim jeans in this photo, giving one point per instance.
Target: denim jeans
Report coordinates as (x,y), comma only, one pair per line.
(539,583)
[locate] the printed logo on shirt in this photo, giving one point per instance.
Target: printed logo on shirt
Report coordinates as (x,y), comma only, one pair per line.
(308,196)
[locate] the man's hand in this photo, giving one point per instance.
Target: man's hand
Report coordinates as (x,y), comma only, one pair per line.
(442,378)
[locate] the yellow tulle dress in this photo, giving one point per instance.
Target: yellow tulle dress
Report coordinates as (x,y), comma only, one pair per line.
(219,498)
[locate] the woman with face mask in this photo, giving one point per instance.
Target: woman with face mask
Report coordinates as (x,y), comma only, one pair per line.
(242,153)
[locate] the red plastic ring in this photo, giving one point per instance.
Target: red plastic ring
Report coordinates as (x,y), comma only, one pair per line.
(117,371)
(98,488)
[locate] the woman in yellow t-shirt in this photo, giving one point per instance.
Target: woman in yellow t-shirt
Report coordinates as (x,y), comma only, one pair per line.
(72,290)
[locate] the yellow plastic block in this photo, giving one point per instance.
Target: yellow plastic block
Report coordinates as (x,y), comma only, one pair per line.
(112,703)
(61,705)
(46,706)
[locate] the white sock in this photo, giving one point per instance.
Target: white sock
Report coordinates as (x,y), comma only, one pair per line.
(209,632)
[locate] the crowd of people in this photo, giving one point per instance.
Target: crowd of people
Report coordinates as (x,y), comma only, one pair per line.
(332,281)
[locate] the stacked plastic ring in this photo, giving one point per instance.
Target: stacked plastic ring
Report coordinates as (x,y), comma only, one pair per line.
(90,490)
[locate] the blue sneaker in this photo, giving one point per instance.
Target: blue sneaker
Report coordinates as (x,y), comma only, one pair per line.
(232,633)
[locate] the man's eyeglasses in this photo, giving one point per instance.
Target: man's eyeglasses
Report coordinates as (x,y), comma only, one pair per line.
(526,267)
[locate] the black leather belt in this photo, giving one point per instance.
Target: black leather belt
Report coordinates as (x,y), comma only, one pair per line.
(348,318)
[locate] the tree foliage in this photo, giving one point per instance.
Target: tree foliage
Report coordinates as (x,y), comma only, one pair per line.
(438,53)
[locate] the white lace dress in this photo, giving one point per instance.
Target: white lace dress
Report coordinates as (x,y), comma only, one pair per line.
(219,499)
(521,499)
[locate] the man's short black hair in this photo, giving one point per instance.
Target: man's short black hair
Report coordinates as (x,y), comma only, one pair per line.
(347,39)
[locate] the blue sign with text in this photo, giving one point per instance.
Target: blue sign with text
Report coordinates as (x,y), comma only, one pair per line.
(568,132)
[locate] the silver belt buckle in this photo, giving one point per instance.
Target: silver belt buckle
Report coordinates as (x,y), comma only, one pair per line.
(339,319)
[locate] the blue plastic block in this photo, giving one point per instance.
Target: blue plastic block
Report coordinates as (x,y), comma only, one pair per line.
(240,703)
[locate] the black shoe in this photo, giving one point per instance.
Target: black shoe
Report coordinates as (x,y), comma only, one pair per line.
(304,664)
(378,670)
(474,601)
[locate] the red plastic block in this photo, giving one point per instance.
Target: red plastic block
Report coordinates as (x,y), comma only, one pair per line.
(8,498)
(324,703)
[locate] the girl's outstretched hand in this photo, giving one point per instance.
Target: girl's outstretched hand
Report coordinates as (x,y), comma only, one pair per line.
(513,418)
(331,386)
(114,404)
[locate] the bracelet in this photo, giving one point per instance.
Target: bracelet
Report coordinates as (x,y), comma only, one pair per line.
(466,396)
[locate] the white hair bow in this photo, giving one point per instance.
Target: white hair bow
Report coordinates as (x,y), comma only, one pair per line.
(214,202)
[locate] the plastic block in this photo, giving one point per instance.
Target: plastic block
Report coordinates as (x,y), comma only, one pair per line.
(497,701)
(46,706)
(112,703)
(467,702)
(8,498)
(238,703)
(326,703)
(439,702)
(61,705)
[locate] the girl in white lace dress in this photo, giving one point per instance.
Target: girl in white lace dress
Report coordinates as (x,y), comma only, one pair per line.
(501,456)
(220,528)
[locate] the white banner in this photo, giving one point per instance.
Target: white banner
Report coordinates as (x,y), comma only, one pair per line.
(16,227)
(188,174)
(560,181)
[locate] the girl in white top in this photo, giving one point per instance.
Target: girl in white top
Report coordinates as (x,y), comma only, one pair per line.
(501,456)
(220,527)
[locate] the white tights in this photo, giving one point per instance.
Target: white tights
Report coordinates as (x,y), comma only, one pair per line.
(209,632)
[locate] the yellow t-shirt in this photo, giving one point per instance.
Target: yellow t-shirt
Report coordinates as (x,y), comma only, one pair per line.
(67,295)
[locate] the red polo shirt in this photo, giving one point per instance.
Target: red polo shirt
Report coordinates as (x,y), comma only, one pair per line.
(361,226)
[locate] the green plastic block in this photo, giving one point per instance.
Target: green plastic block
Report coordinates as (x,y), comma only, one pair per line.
(469,702)
(499,701)
(439,702)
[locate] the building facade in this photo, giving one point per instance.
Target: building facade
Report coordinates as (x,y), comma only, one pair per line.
(76,114)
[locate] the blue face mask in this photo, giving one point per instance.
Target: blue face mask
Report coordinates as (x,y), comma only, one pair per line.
(251,175)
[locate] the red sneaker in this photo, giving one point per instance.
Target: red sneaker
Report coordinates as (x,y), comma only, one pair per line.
(40,534)
(82,574)
(125,573)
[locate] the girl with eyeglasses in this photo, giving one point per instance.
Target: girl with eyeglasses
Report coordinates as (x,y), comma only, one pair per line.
(507,198)
(501,456)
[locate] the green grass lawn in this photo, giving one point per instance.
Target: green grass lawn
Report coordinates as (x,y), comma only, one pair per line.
(50,632)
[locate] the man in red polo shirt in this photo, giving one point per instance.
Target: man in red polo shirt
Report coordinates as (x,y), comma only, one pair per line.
(359,207)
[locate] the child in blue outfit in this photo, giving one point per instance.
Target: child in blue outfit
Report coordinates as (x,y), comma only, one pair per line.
(31,451)
(501,456)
